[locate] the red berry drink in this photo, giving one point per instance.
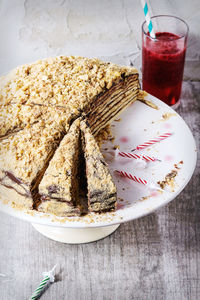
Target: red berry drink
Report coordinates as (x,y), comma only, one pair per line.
(163,64)
(163,57)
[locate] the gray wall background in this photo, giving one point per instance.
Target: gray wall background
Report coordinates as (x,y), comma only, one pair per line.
(110,29)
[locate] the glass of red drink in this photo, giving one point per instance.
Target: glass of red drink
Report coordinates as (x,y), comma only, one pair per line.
(163,58)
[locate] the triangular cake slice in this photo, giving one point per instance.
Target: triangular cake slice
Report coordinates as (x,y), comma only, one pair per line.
(102,192)
(59,188)
(24,158)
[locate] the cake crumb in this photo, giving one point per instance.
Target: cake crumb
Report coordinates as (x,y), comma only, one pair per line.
(118,120)
(141,98)
(144,198)
(115,147)
(169,180)
(103,135)
(167,116)
(177,166)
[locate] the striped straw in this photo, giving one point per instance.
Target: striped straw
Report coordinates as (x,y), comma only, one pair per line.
(48,277)
(148,19)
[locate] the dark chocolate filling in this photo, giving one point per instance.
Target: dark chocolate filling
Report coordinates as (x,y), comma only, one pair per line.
(52,189)
(45,198)
(15,180)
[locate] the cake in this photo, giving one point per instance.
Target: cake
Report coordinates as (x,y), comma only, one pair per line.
(101,190)
(40,105)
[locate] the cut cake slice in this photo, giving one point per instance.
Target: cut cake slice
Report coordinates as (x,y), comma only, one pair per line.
(59,188)
(102,192)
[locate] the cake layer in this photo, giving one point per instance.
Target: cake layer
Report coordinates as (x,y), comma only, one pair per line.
(58,208)
(110,105)
(105,205)
(107,118)
(101,188)
(59,186)
(109,94)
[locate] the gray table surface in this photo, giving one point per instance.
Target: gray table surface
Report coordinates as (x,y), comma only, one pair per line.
(154,257)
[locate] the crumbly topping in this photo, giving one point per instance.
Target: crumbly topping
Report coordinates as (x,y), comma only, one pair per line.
(14,117)
(59,80)
(25,153)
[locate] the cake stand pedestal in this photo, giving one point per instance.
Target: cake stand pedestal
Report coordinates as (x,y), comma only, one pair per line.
(75,235)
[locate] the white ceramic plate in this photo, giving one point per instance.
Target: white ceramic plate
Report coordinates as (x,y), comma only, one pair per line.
(138,124)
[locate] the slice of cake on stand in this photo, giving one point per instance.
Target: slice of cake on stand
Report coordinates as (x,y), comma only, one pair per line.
(102,192)
(59,188)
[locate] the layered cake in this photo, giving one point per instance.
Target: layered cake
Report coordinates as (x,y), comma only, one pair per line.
(40,107)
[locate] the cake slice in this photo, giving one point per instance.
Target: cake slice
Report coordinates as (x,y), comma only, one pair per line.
(24,158)
(59,188)
(102,192)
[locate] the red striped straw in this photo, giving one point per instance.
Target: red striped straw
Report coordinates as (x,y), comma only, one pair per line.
(136,156)
(153,141)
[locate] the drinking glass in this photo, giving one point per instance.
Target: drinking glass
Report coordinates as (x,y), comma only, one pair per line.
(163,58)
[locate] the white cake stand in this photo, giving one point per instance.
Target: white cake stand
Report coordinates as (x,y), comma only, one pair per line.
(138,124)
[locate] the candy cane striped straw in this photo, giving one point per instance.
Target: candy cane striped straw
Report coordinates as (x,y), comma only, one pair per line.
(153,141)
(136,156)
(48,277)
(139,180)
(148,19)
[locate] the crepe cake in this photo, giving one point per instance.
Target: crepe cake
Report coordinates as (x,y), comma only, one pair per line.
(102,192)
(38,103)
(95,89)
(24,158)
(59,188)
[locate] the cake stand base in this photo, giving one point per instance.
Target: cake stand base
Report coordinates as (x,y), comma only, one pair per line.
(75,235)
